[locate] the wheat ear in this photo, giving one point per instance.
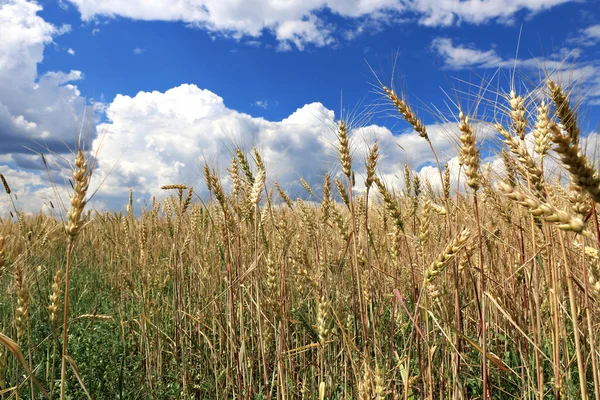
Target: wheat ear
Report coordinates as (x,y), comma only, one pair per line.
(407,113)
(582,172)
(469,154)
(437,267)
(544,210)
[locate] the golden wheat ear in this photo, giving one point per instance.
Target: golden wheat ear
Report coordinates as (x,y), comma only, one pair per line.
(541,131)
(81,178)
(469,154)
(449,253)
(54,307)
(517,114)
(581,169)
(407,113)
(284,196)
(544,210)
(517,147)
(390,203)
(23,300)
(371,164)
(344,149)
(563,110)
(258,186)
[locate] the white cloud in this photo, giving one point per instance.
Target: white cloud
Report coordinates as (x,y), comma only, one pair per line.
(33,194)
(138,51)
(71,51)
(564,66)
(24,35)
(450,12)
(297,22)
(33,108)
(311,30)
(37,112)
(261,103)
(157,138)
(592,32)
(459,57)
(589,36)
(63,29)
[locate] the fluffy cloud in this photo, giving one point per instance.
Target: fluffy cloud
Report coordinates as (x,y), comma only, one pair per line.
(297,22)
(33,109)
(461,56)
(24,35)
(36,112)
(157,138)
(33,193)
(312,30)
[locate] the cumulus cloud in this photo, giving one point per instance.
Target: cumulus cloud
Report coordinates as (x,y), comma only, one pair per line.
(24,35)
(71,51)
(299,22)
(33,108)
(33,193)
(157,138)
(37,112)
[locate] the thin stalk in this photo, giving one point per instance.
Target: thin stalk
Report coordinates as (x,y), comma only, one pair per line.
(590,326)
(573,310)
(63,373)
(482,283)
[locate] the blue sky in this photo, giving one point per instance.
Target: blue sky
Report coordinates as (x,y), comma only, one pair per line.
(175,85)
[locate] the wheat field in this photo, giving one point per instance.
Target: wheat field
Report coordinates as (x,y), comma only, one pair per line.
(486,288)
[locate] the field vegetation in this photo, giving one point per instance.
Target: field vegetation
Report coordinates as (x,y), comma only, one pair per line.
(485,287)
